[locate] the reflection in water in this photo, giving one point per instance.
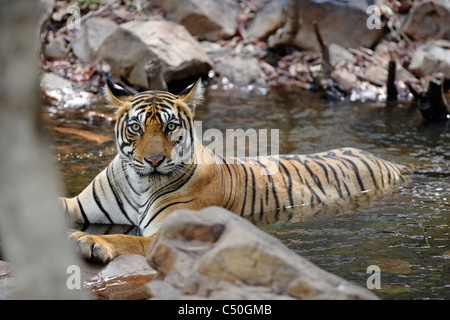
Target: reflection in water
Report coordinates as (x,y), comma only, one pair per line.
(410,225)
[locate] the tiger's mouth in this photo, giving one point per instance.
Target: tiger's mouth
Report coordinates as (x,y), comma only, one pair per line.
(167,168)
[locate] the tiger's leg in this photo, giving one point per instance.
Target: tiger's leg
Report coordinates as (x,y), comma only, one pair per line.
(103,248)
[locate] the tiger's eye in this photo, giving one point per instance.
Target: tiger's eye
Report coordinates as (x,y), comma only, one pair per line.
(171,126)
(135,128)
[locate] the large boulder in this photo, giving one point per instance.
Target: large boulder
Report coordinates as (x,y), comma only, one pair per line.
(216,254)
(269,16)
(429,20)
(135,45)
(340,22)
(207,19)
(89,38)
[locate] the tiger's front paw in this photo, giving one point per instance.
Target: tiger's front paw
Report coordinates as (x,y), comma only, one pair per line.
(92,248)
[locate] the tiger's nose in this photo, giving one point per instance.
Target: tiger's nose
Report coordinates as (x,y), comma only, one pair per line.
(155,161)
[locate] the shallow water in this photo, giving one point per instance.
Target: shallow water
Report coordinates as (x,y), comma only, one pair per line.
(405,233)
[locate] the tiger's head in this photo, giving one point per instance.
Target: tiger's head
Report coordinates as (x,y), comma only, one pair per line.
(154,129)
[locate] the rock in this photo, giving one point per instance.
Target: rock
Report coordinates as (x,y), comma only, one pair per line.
(376,74)
(135,44)
(241,71)
(345,79)
(59,91)
(433,57)
(342,23)
(56,49)
(89,38)
(338,53)
(123,278)
(429,20)
(216,254)
(268,18)
(207,19)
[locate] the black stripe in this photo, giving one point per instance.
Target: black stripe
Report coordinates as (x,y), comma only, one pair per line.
(119,202)
(344,176)
(313,176)
(324,170)
(164,208)
(245,194)
(169,188)
(86,220)
(261,210)
(356,171)
(289,189)
(313,194)
(275,196)
(375,160)
(231,182)
(371,172)
(134,206)
(338,183)
(253,189)
(97,201)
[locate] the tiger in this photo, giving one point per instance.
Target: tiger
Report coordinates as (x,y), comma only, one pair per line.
(161,166)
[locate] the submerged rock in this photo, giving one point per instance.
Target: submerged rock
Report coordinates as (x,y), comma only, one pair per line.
(216,254)
(135,44)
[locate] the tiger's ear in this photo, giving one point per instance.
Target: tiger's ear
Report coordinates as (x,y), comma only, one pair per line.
(192,95)
(117,95)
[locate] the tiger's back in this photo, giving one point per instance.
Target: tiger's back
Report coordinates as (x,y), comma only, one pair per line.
(308,180)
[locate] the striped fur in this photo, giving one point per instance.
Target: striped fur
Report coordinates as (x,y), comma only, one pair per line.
(133,191)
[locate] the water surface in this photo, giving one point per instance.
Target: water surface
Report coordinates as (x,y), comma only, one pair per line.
(406,233)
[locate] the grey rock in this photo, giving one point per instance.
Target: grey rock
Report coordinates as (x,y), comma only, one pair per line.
(56,49)
(216,254)
(429,20)
(134,45)
(89,38)
(207,19)
(339,22)
(269,16)
(241,71)
(430,58)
